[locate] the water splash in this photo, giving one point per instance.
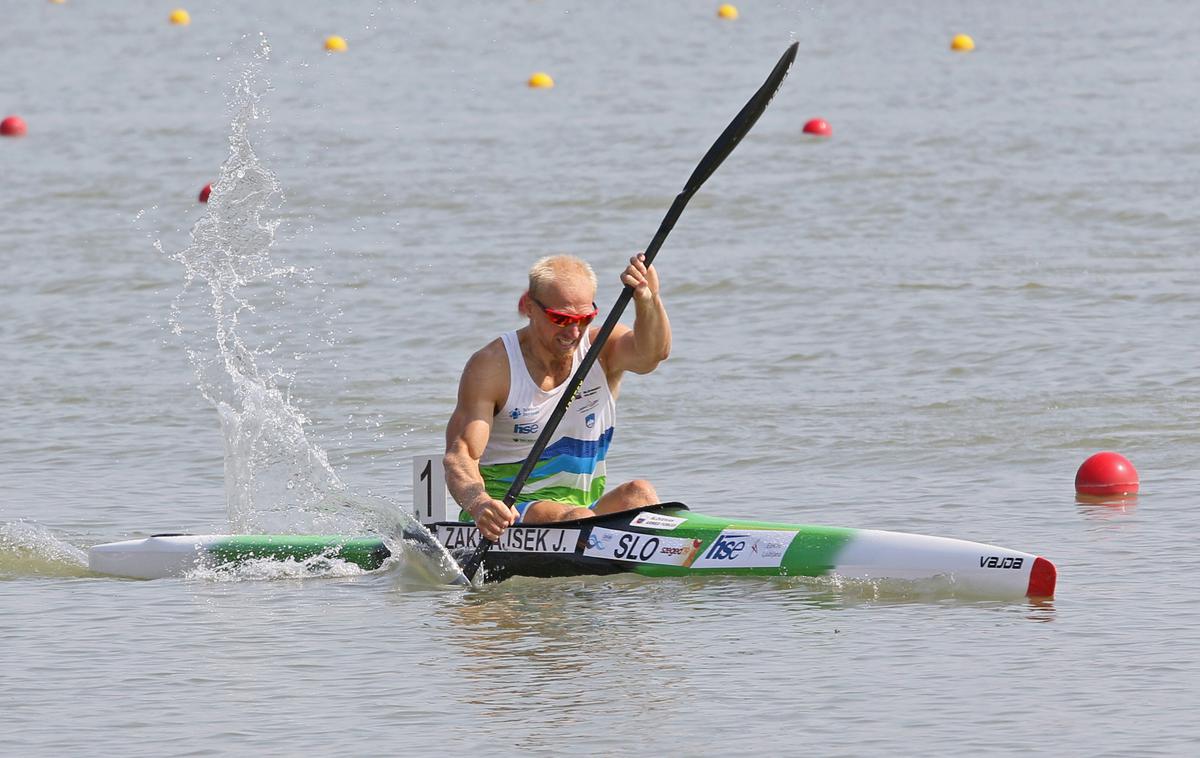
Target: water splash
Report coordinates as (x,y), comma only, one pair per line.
(32,550)
(261,569)
(410,569)
(231,317)
(227,315)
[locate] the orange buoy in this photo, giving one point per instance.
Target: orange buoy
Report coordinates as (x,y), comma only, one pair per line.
(1106,473)
(13,126)
(818,127)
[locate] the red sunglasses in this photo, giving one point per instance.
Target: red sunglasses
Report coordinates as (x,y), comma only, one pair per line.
(562,319)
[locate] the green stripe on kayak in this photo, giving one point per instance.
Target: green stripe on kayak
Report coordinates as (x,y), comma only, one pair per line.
(813,551)
(368,553)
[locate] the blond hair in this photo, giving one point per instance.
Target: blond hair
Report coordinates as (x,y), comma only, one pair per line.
(550,268)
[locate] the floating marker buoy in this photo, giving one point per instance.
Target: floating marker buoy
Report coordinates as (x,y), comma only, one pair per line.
(818,127)
(204,193)
(962,43)
(727,11)
(13,126)
(1106,473)
(335,44)
(179,17)
(541,80)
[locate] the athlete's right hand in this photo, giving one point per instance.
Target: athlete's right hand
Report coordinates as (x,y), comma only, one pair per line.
(492,517)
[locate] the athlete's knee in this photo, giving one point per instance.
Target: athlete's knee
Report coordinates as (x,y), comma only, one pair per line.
(638,492)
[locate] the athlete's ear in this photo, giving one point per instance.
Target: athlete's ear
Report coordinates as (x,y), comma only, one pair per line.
(521,302)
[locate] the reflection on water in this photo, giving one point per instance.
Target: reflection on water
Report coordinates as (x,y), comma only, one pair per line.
(1040,609)
(586,651)
(575,645)
(535,642)
(1105,506)
(1108,514)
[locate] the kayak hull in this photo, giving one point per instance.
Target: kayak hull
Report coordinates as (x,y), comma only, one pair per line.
(657,541)
(169,555)
(669,540)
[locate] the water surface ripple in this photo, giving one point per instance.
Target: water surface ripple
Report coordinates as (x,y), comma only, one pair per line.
(924,324)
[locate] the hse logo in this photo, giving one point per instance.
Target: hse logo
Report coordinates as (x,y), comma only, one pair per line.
(525,428)
(746,548)
(996,562)
(726,547)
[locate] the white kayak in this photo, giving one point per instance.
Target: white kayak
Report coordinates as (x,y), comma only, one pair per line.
(659,541)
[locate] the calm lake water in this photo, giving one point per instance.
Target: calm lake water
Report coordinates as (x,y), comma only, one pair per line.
(924,323)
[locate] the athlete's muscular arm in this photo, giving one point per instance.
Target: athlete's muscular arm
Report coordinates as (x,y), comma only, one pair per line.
(641,349)
(481,390)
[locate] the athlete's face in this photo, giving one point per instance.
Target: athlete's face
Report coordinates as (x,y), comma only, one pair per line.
(559,313)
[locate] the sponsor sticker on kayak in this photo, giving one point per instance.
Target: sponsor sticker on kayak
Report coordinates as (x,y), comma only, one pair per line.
(656,521)
(515,539)
(641,548)
(746,548)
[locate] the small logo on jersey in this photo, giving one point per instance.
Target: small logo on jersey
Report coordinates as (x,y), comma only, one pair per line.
(516,413)
(525,428)
(590,420)
(585,406)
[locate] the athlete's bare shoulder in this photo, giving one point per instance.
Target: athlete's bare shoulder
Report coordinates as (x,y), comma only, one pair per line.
(485,377)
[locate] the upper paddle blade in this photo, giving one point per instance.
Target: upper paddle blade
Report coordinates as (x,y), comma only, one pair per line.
(743,122)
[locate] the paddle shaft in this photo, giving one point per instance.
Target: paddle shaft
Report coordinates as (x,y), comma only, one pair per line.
(721,149)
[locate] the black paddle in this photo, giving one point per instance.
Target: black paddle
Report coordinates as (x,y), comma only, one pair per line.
(418,537)
(708,164)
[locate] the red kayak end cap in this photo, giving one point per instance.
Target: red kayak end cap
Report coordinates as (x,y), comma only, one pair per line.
(1042,578)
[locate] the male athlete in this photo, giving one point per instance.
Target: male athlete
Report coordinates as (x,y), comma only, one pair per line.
(509,389)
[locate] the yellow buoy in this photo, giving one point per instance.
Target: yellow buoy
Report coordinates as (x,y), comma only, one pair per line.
(58,2)
(541,80)
(962,43)
(727,11)
(180,17)
(335,44)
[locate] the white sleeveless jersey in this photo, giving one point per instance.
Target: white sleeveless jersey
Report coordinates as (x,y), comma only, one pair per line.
(571,469)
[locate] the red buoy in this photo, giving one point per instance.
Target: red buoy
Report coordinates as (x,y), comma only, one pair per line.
(13,126)
(1106,473)
(818,127)
(204,193)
